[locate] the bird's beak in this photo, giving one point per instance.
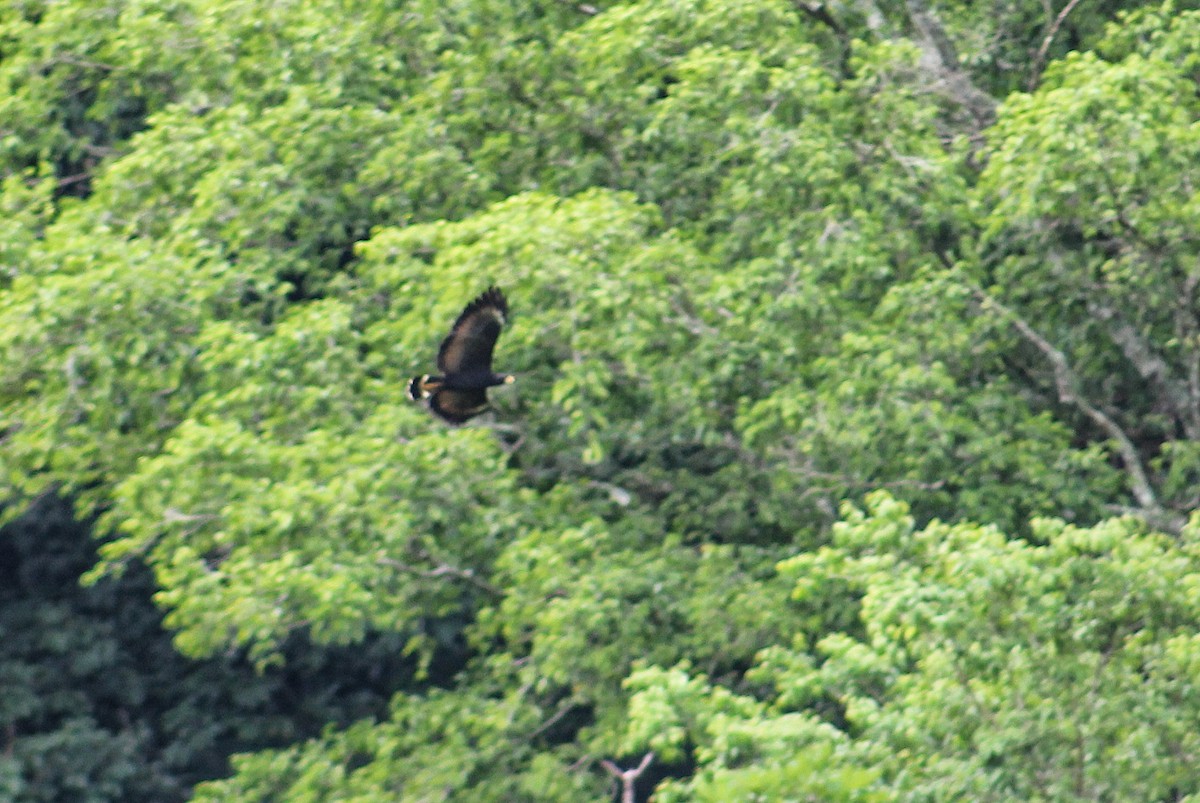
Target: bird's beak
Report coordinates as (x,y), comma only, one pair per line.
(509,379)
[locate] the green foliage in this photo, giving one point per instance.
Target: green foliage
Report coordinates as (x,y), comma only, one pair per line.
(1088,237)
(931,416)
(27,208)
(746,751)
(998,40)
(582,611)
(97,704)
(996,668)
(764,259)
(63,103)
(980,667)
(85,392)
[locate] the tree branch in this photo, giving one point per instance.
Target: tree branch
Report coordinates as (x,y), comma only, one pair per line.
(627,778)
(1150,366)
(939,55)
(933,34)
(1039,60)
(564,709)
(1067,384)
(876,21)
(76,61)
(1181,396)
(443,570)
(821,14)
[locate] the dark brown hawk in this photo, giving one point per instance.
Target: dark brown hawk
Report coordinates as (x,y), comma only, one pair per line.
(465,362)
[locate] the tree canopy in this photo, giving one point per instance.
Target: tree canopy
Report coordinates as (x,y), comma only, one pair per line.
(853,448)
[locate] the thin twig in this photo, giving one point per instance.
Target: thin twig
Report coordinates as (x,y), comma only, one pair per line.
(172,515)
(566,708)
(443,570)
(76,61)
(616,493)
(67,181)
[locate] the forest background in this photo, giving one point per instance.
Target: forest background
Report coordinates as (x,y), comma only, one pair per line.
(852,455)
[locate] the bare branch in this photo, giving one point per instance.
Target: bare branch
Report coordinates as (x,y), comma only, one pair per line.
(1039,60)
(75,179)
(1181,394)
(1067,384)
(77,61)
(627,778)
(616,493)
(442,570)
(172,515)
(564,709)
(1150,366)
(940,56)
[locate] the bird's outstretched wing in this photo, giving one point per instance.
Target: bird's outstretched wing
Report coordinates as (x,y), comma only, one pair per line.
(456,406)
(468,347)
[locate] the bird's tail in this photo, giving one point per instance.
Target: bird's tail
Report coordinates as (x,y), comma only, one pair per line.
(422,387)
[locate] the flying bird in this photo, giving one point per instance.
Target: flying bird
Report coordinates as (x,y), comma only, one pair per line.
(465,362)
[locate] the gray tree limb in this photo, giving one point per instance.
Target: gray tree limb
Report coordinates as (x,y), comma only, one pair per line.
(939,56)
(1150,366)
(1068,386)
(1182,396)
(627,778)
